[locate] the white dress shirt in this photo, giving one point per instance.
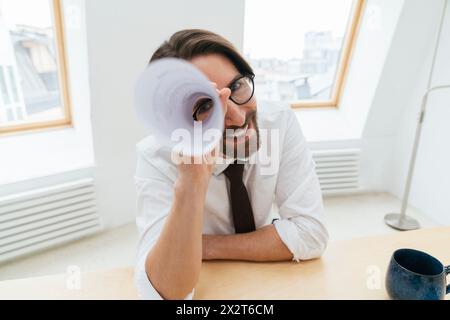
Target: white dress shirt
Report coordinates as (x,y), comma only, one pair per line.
(291,185)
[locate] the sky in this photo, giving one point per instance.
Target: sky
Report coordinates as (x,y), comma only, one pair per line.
(37,12)
(275,28)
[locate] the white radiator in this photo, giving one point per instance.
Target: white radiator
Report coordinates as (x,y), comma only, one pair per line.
(45,217)
(338,170)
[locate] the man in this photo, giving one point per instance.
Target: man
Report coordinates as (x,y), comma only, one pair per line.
(193,212)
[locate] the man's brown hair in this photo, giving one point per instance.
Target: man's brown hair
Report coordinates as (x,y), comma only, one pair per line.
(189,43)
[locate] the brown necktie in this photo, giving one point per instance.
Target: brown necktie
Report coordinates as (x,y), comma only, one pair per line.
(240,203)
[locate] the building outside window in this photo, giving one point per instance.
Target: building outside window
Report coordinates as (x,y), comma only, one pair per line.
(300,49)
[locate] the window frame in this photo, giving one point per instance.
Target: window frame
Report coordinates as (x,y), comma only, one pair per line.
(63,80)
(344,61)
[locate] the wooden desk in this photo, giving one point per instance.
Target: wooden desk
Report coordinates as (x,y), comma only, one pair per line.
(342,273)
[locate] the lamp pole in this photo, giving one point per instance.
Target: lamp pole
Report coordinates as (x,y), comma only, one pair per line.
(400,221)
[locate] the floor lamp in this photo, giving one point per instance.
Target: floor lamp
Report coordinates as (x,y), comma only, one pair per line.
(400,221)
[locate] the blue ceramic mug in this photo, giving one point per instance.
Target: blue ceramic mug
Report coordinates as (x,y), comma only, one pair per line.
(415,275)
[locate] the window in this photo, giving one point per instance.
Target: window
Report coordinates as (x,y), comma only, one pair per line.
(33,78)
(300,49)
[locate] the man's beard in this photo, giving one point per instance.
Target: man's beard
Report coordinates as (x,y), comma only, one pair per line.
(247,142)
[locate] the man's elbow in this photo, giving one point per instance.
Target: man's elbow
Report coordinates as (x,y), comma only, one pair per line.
(176,294)
(172,284)
(174,290)
(315,244)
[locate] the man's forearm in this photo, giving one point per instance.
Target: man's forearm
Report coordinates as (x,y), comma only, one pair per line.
(173,265)
(261,245)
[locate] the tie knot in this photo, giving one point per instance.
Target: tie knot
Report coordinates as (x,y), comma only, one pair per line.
(234,171)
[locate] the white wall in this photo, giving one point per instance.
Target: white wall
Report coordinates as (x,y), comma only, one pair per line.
(398,76)
(431,185)
(389,131)
(122,35)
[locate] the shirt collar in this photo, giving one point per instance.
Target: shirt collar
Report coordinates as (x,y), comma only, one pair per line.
(219,168)
(222,164)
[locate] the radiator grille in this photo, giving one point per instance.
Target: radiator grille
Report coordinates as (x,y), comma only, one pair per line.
(338,170)
(46,217)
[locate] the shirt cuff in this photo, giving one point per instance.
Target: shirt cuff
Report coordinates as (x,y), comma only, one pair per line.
(287,232)
(145,289)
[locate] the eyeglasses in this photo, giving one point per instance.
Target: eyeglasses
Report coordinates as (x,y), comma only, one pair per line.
(242,90)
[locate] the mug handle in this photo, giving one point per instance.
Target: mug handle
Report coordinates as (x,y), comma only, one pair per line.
(447,272)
